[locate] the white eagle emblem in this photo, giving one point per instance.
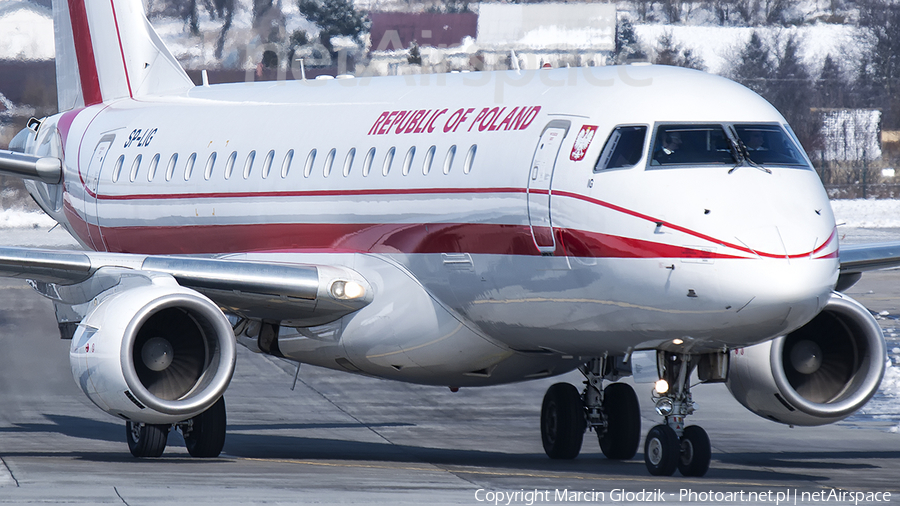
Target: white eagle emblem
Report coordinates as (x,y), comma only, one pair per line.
(582,142)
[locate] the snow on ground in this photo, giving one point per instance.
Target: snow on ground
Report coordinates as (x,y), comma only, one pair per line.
(13,218)
(867,213)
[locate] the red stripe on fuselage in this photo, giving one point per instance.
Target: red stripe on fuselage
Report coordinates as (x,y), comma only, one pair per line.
(84,52)
(64,124)
(121,47)
(412,238)
(432,191)
(580,243)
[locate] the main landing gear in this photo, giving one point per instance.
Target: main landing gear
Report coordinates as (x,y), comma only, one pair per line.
(204,434)
(613,412)
(671,445)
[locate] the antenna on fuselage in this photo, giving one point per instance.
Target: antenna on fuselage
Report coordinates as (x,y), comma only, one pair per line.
(515,60)
(302,70)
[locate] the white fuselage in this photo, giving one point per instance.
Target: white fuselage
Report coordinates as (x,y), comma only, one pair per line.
(635,258)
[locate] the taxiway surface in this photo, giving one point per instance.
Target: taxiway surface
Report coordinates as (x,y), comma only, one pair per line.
(340,438)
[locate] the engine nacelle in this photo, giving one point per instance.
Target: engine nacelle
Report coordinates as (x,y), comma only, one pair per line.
(820,373)
(158,353)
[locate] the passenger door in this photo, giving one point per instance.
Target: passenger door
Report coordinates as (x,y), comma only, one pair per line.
(540,183)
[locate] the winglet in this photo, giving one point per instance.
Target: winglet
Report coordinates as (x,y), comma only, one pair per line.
(107,50)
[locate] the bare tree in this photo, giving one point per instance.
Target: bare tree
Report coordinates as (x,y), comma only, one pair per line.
(880,24)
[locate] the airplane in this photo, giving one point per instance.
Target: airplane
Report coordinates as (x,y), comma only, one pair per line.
(457,230)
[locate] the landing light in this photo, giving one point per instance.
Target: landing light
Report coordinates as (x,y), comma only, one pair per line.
(662,386)
(677,341)
(347,290)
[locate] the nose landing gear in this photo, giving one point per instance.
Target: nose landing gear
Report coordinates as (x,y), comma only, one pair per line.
(613,412)
(671,445)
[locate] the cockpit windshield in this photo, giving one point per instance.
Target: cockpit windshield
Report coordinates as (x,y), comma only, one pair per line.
(692,145)
(740,144)
(768,145)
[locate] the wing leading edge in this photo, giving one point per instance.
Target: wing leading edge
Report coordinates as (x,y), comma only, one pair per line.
(858,258)
(301,294)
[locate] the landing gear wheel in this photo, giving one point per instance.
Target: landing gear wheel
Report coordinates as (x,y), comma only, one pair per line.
(562,421)
(623,422)
(661,451)
(207,434)
(695,452)
(146,440)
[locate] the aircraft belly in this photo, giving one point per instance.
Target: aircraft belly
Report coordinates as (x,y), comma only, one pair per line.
(409,334)
(589,307)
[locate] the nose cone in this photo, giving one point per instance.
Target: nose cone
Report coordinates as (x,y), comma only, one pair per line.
(775,245)
(790,244)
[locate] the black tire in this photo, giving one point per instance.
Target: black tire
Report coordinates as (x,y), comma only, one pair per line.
(662,451)
(562,421)
(695,452)
(207,435)
(622,437)
(146,440)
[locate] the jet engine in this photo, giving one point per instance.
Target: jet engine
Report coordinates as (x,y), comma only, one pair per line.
(817,374)
(156,354)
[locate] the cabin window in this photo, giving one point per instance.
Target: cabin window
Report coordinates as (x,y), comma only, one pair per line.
(170,169)
(210,163)
(348,161)
(267,163)
(229,164)
(134,168)
(248,164)
(117,170)
(408,160)
(768,145)
(189,166)
(329,162)
(429,158)
(448,160)
(470,159)
(154,163)
(367,163)
(692,145)
(310,159)
(286,164)
(388,160)
(624,148)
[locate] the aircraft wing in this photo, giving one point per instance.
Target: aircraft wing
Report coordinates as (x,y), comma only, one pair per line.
(302,294)
(858,258)
(870,257)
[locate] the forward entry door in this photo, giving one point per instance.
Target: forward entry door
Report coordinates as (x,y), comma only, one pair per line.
(540,185)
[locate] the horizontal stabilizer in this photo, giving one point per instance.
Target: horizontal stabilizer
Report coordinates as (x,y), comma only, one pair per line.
(42,168)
